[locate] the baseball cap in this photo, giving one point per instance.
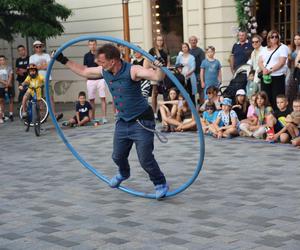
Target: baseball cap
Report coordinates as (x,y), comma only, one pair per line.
(227,101)
(240,92)
(37,42)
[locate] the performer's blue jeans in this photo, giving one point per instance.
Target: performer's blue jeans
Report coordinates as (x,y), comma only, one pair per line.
(127,133)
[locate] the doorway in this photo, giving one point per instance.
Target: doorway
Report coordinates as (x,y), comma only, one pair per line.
(167,20)
(281,15)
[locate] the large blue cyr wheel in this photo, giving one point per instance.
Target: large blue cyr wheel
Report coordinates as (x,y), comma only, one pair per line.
(173,79)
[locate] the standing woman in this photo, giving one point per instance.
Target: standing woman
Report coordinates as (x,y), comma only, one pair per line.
(292,84)
(159,50)
(272,62)
(189,65)
(257,46)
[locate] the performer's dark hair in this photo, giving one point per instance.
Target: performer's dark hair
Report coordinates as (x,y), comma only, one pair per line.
(110,51)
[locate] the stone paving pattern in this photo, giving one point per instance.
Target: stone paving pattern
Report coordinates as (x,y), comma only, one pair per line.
(246,197)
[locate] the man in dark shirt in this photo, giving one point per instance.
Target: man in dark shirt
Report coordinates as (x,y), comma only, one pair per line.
(21,68)
(199,55)
(240,52)
(95,84)
(135,122)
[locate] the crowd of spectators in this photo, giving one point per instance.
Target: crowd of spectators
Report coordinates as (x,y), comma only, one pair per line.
(267,107)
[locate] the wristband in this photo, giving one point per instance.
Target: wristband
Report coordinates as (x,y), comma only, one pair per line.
(62,59)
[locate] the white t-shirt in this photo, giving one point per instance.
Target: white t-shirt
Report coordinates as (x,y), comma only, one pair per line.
(39,60)
(253,61)
(280,52)
(4,74)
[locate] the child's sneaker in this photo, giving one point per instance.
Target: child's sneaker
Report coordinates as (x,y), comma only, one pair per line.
(1,121)
(161,190)
(116,181)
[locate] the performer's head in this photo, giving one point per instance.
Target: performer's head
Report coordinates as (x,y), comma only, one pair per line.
(108,56)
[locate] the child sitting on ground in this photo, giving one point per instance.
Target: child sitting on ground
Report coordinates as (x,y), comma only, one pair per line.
(293,122)
(241,104)
(277,130)
(83,112)
(183,115)
(227,123)
(209,116)
(251,108)
(34,80)
(263,112)
(252,87)
(212,93)
(251,116)
(168,109)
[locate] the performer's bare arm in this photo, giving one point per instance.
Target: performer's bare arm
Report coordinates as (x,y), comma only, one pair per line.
(138,72)
(92,72)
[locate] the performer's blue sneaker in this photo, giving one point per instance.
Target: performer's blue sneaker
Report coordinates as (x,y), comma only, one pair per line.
(116,181)
(161,190)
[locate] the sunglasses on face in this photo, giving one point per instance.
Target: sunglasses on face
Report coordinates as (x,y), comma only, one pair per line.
(209,108)
(209,93)
(255,41)
(38,47)
(274,37)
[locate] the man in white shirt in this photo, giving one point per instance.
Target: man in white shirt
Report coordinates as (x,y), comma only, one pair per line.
(41,60)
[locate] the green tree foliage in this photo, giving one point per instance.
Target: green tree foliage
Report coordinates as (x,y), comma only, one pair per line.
(241,14)
(33,18)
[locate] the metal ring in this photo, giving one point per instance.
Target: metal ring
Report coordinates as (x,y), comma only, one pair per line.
(173,79)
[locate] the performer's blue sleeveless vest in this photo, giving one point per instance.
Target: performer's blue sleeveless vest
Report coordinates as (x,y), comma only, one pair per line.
(126,93)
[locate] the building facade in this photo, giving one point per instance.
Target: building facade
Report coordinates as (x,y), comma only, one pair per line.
(214,22)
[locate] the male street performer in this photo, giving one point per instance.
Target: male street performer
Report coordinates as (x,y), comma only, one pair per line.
(134,113)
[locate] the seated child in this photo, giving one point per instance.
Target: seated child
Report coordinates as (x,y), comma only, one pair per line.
(263,112)
(293,122)
(168,109)
(227,123)
(252,86)
(183,115)
(251,108)
(251,116)
(34,81)
(241,104)
(212,93)
(209,116)
(277,130)
(83,112)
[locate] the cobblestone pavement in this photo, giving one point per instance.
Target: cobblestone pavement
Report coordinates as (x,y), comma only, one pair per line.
(246,197)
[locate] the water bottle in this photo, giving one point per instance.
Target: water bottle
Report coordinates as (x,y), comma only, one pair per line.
(6,97)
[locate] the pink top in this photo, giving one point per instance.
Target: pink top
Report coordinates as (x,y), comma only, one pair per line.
(251,111)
